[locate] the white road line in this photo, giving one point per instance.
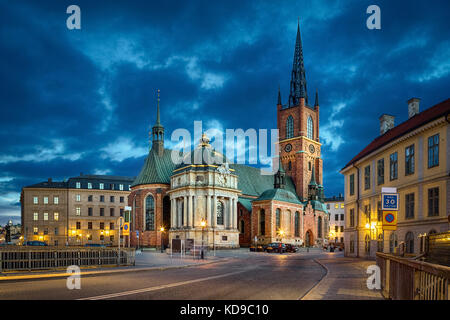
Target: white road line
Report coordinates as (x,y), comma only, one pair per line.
(170,285)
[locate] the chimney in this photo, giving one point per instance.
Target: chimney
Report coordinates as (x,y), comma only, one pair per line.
(386,123)
(413,107)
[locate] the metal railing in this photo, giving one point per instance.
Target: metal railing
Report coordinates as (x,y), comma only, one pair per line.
(407,279)
(18,258)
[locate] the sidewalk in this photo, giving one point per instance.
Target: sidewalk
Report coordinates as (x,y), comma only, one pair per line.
(345,280)
(145,261)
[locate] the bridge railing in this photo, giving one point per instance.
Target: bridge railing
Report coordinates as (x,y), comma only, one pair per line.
(16,258)
(407,279)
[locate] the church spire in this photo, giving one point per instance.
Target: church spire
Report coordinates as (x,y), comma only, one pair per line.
(316,103)
(279,96)
(158,132)
(279,180)
(298,77)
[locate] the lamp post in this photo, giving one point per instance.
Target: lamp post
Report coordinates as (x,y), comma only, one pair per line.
(281,233)
(162,231)
(203,225)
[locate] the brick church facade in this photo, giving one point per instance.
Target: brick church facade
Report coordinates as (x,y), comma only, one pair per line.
(231,205)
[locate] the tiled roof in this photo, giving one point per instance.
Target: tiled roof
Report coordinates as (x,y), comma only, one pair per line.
(156,169)
(415,122)
(46,184)
(279,195)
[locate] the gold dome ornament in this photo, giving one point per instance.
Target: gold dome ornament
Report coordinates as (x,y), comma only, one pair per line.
(204,141)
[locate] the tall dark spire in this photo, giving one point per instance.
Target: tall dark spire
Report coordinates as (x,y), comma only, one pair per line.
(279,180)
(279,96)
(298,77)
(158,133)
(316,103)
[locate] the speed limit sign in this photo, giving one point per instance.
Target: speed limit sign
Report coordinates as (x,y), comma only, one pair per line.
(389,201)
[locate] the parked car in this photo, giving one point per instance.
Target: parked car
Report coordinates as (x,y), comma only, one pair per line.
(291,248)
(35,243)
(275,247)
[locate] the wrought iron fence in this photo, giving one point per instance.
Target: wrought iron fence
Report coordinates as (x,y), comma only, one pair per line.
(28,258)
(407,279)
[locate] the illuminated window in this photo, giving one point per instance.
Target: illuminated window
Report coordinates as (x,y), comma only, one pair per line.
(89,185)
(45,200)
(35,216)
(342,206)
(78,197)
(35,230)
(45,216)
(336,206)
(56,216)
(102,186)
(78,185)
(78,211)
(121,187)
(55,200)
(35,200)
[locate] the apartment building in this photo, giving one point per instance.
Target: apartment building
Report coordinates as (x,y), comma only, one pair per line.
(78,211)
(335,206)
(413,157)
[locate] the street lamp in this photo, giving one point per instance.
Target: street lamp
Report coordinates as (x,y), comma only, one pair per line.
(162,231)
(281,233)
(203,225)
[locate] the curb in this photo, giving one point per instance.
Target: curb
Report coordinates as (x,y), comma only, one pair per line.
(313,287)
(103,272)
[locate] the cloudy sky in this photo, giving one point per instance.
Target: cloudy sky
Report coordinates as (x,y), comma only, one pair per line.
(83,100)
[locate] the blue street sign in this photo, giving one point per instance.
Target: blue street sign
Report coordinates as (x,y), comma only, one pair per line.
(389,201)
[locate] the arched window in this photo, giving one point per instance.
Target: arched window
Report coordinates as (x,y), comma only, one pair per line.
(319,227)
(310,128)
(290,166)
(380,243)
(220,217)
(393,242)
(278,219)
(262,222)
(149,213)
(409,241)
(289,127)
(297,224)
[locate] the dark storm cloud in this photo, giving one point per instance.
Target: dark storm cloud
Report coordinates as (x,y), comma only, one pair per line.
(84,100)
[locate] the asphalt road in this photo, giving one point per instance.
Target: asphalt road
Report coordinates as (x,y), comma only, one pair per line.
(253,276)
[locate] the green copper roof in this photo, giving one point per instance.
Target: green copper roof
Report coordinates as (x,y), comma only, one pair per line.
(317,205)
(280,195)
(252,183)
(156,169)
(246,202)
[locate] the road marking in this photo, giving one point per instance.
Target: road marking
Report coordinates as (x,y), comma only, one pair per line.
(165,286)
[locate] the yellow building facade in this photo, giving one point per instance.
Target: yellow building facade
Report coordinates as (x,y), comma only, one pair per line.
(412,157)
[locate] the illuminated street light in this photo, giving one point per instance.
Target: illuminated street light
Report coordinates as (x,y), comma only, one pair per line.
(162,231)
(203,225)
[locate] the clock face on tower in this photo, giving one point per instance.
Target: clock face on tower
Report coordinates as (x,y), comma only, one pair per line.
(288,147)
(311,148)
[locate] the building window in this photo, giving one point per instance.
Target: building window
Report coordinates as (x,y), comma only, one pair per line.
(409,206)
(78,185)
(78,197)
(289,127)
(342,217)
(262,222)
(35,230)
(336,205)
(90,225)
(101,186)
(220,217)
(352,184)
(149,213)
(56,216)
(393,166)
(319,227)
(78,225)
(433,202)
(278,219)
(367,178)
(102,198)
(241,227)
(121,187)
(55,200)
(111,226)
(56,233)
(380,171)
(111,212)
(102,212)
(111,186)
(45,200)
(433,151)
(89,185)
(409,242)
(336,217)
(392,242)
(379,212)
(78,211)
(121,212)
(122,199)
(111,199)
(336,228)
(352,217)
(45,231)
(102,226)
(89,237)
(342,228)
(90,212)
(297,224)
(45,216)
(35,200)
(342,206)
(90,198)
(35,216)
(409,160)
(310,128)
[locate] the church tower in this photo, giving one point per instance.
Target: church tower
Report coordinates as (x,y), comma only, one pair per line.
(298,124)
